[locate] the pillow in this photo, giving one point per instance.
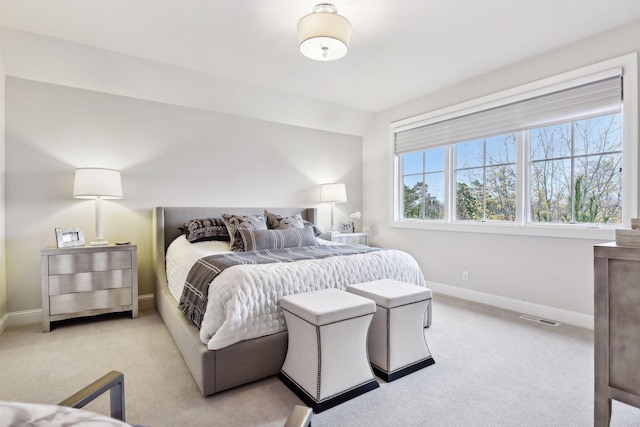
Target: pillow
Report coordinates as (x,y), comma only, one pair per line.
(234,222)
(255,240)
(316,230)
(280,222)
(204,229)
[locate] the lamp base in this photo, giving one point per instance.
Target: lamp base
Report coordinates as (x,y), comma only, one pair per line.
(98,243)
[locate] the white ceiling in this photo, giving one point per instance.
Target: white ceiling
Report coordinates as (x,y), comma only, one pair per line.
(400,49)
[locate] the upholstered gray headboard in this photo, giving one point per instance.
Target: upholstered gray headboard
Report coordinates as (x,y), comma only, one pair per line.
(168,219)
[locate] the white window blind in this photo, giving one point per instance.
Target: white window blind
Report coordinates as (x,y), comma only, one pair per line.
(588,100)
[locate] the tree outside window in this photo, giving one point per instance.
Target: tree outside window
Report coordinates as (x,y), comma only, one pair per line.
(486,179)
(576,172)
(423,184)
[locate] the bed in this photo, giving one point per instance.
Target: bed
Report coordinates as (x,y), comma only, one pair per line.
(229,363)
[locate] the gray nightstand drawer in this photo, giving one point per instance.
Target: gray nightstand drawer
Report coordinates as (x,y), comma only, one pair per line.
(81,301)
(90,281)
(96,261)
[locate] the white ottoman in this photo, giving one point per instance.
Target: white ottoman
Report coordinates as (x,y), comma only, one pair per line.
(326,362)
(397,346)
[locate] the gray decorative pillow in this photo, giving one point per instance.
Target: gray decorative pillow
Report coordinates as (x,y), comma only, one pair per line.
(294,237)
(281,222)
(201,230)
(234,222)
(316,230)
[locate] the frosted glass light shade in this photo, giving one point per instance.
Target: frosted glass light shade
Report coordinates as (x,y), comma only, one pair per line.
(333,193)
(324,35)
(91,183)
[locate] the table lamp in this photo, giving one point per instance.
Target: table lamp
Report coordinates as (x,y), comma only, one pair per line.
(333,193)
(98,184)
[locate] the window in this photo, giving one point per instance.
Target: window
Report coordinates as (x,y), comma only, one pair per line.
(485,172)
(423,180)
(576,172)
(552,156)
(575,175)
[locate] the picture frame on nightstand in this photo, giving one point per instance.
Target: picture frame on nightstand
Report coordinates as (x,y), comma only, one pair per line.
(346,227)
(69,237)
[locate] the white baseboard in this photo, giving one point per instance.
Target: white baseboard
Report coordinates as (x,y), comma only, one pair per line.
(30,317)
(24,317)
(523,307)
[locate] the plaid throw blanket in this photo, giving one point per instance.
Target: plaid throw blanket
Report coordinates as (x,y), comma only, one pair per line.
(193,301)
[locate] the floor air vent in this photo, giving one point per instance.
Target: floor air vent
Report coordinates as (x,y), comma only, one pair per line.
(539,320)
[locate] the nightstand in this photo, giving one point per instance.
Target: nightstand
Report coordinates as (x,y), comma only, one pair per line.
(361,238)
(87,281)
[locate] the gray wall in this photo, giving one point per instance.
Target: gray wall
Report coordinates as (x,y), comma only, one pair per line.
(504,270)
(168,155)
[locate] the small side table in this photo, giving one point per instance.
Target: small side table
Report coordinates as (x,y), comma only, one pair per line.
(87,281)
(361,238)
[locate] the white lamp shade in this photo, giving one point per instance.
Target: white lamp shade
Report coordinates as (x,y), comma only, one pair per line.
(91,183)
(324,36)
(333,193)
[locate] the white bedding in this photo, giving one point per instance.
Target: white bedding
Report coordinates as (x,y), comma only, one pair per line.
(243,300)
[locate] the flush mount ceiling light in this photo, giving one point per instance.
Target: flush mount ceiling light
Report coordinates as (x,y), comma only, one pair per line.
(324,35)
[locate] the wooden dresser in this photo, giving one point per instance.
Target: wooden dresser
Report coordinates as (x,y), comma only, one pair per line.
(616,328)
(88,280)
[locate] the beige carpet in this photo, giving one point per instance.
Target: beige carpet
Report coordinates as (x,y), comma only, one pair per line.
(492,369)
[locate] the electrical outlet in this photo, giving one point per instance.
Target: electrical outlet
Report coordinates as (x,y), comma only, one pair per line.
(465,275)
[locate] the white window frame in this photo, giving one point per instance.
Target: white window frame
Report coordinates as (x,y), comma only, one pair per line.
(627,64)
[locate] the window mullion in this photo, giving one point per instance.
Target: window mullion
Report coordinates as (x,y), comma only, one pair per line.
(572,189)
(523,184)
(424,186)
(449,189)
(484,181)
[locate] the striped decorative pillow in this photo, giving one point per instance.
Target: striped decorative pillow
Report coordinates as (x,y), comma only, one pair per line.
(255,240)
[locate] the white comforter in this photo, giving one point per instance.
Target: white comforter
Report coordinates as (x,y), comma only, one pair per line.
(243,300)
